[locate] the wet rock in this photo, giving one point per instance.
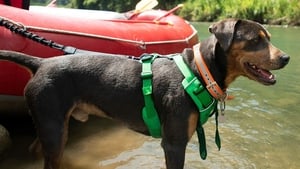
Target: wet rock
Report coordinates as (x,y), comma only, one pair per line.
(5,141)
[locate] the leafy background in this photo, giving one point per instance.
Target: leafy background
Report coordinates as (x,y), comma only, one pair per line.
(279,12)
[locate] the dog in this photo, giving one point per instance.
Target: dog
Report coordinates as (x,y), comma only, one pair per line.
(110,86)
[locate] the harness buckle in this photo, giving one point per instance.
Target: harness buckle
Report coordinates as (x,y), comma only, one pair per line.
(148,57)
(145,57)
(146,75)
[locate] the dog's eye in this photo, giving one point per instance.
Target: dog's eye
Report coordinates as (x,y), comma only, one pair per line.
(255,44)
(255,40)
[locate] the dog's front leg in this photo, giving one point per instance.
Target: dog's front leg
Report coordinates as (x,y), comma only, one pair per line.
(174,154)
(174,143)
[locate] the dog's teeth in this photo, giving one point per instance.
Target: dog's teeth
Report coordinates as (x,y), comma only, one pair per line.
(271,76)
(254,66)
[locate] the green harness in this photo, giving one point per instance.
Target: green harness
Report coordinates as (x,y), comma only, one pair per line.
(205,103)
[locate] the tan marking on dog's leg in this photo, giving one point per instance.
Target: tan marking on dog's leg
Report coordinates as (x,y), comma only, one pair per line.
(58,157)
(36,148)
(192,124)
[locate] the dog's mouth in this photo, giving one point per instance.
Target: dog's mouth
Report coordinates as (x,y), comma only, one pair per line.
(261,75)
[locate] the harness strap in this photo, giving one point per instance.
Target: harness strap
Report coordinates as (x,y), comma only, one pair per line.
(201,97)
(205,103)
(149,112)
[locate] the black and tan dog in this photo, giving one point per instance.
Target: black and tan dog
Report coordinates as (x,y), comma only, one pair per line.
(111,86)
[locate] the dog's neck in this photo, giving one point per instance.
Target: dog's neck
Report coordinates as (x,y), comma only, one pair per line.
(215,59)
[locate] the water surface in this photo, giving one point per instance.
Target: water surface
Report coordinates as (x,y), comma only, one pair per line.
(261,131)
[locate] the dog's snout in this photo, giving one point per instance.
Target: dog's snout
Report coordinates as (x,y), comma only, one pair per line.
(284,59)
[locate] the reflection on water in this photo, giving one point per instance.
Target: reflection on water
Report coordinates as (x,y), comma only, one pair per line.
(261,130)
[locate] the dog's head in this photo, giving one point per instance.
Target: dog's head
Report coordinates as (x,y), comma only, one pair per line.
(249,51)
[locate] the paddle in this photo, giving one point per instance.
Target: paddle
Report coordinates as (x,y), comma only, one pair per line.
(142,6)
(169,12)
(145,5)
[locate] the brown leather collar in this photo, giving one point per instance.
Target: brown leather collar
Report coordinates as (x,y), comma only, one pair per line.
(211,85)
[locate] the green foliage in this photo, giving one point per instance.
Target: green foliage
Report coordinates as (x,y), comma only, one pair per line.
(118,5)
(263,11)
(203,10)
(110,5)
(294,12)
(252,9)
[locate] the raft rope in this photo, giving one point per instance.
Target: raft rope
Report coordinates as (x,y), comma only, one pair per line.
(24,31)
(21,30)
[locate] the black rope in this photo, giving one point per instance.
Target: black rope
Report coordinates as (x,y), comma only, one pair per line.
(23,32)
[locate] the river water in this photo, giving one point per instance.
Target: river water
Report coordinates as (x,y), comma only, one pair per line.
(261,130)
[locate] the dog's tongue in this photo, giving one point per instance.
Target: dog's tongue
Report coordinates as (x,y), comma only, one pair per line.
(266,74)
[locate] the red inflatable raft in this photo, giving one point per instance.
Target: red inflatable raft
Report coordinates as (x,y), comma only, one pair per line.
(110,32)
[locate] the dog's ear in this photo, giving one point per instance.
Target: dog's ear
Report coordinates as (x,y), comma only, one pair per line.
(224,32)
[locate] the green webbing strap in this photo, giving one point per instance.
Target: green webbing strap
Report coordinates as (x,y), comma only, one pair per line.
(204,101)
(149,113)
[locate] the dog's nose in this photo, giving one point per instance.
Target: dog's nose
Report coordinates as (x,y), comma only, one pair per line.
(284,59)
